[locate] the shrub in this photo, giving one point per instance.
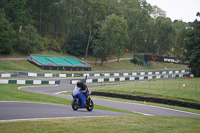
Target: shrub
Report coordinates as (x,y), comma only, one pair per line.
(135,60)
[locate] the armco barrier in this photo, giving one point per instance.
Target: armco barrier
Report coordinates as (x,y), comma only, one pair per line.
(5,81)
(149,99)
(105,74)
(7,75)
(131,78)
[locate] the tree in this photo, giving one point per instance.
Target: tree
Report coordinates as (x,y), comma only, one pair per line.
(165,33)
(16,12)
(157,12)
(7,35)
(95,11)
(101,50)
(42,12)
(193,47)
(179,49)
(75,44)
(114,34)
(140,25)
(29,40)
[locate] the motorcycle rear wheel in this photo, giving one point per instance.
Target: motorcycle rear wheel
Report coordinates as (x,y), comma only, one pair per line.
(75,106)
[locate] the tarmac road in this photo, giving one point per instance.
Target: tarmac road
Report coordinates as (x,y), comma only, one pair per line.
(140,108)
(28,110)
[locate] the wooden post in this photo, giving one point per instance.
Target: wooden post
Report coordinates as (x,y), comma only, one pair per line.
(163,84)
(150,84)
(195,87)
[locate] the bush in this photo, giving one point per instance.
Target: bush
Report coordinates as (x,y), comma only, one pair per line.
(54,46)
(141,62)
(135,60)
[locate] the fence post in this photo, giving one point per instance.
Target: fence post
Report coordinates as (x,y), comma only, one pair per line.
(195,87)
(163,84)
(150,84)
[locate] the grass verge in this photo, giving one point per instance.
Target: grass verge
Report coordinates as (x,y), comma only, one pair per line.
(11,93)
(187,90)
(139,124)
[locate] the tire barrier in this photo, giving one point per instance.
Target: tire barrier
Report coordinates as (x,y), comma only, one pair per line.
(107,74)
(5,81)
(149,99)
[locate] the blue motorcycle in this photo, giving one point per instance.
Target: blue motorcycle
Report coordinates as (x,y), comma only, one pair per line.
(81,101)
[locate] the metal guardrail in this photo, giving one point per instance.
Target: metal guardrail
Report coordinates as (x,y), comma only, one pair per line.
(20,81)
(106,74)
(131,78)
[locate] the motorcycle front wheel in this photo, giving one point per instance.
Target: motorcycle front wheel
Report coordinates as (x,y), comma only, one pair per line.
(75,106)
(90,105)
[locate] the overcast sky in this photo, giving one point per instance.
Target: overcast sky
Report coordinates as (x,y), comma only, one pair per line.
(184,10)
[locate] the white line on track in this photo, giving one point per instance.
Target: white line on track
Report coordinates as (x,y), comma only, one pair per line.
(143,113)
(11,120)
(37,86)
(60,92)
(31,102)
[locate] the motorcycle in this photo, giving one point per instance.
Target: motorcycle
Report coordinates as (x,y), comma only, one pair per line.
(81,101)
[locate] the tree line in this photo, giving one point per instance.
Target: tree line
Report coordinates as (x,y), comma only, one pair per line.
(101,28)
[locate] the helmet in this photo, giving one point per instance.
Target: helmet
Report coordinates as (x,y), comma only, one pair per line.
(79,83)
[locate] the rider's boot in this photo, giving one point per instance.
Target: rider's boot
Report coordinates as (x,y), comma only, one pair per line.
(88,99)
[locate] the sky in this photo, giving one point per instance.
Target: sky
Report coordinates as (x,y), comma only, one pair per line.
(184,10)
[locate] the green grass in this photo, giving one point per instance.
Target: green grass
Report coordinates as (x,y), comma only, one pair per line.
(169,89)
(115,124)
(18,65)
(127,65)
(12,93)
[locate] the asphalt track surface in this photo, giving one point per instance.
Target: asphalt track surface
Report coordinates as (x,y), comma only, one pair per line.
(28,110)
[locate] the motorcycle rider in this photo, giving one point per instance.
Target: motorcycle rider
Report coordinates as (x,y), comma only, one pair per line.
(84,88)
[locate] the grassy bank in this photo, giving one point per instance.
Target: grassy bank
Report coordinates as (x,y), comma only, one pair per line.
(127,65)
(123,65)
(187,90)
(18,66)
(139,124)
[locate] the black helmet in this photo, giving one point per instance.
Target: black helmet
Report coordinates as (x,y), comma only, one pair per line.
(79,83)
